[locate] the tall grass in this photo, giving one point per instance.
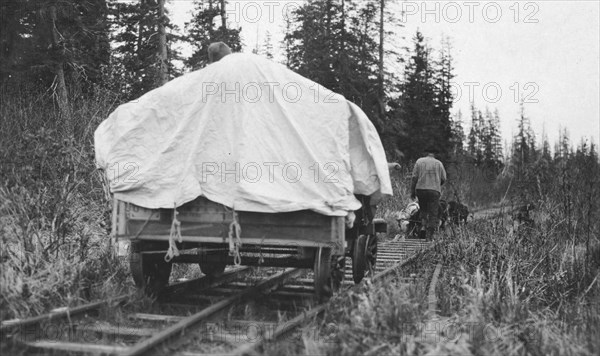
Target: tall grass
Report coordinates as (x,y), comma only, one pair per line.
(527,291)
(53,205)
(506,288)
(536,288)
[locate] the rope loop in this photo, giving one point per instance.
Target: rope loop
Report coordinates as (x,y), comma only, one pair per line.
(173,251)
(235,239)
(261,259)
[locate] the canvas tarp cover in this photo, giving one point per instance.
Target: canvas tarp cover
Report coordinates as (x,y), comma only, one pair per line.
(247,133)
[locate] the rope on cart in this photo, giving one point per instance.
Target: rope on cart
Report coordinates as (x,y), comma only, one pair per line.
(234,245)
(261,259)
(175,233)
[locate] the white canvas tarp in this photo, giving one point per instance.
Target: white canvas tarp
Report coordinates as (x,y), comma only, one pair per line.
(247,133)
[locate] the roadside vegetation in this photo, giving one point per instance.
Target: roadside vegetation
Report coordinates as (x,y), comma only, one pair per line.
(54,206)
(506,287)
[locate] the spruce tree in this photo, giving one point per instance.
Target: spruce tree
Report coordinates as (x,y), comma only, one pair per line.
(496,139)
(267,47)
(203,30)
(490,139)
(424,105)
(142,34)
(444,73)
(524,156)
(476,133)
(55,44)
(458,136)
(333,44)
(417,109)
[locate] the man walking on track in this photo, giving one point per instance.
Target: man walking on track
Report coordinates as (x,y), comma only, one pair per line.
(427,179)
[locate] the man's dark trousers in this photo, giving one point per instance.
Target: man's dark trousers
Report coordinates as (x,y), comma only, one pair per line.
(429,205)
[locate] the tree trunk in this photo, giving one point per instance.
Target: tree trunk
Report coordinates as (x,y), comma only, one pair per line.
(381,97)
(140,31)
(343,47)
(163,73)
(343,58)
(223,17)
(63,99)
(328,21)
(288,28)
(61,87)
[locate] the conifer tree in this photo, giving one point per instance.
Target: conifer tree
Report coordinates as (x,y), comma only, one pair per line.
(496,140)
(475,147)
(58,44)
(143,58)
(163,70)
(524,154)
(458,135)
(444,73)
(313,42)
(204,30)
(418,101)
(425,102)
(267,47)
(490,140)
(333,44)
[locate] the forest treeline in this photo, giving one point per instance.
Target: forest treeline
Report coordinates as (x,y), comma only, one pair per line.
(126,48)
(67,54)
(129,47)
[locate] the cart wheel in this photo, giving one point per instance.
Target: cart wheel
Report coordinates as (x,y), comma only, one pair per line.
(364,257)
(328,271)
(371,255)
(150,272)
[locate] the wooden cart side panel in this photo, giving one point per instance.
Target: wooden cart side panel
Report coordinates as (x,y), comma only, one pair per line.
(120,219)
(293,218)
(114,219)
(338,235)
(204,218)
(317,233)
(141,228)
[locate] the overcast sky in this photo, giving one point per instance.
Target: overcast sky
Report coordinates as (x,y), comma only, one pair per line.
(546,51)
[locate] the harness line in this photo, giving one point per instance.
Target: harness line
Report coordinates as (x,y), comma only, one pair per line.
(173,251)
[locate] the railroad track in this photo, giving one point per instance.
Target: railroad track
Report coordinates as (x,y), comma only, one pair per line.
(234,314)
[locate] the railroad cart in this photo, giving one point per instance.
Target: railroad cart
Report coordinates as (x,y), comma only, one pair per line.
(214,236)
(185,139)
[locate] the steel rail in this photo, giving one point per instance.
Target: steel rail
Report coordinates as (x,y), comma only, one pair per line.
(192,320)
(161,337)
(249,348)
(67,312)
(432,296)
(59,313)
(206,282)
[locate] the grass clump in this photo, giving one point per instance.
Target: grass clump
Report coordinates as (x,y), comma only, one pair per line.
(531,289)
(54,207)
(505,289)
